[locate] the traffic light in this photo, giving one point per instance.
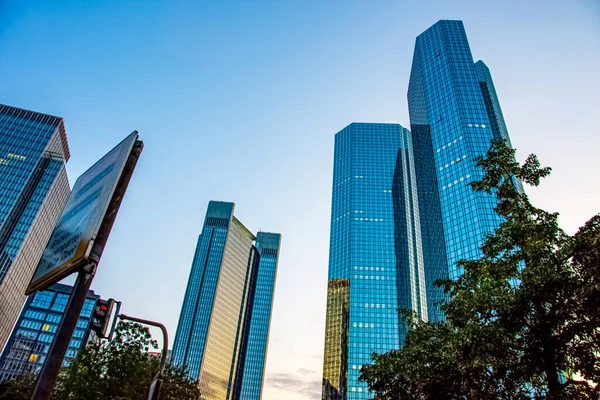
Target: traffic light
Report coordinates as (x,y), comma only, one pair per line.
(101,316)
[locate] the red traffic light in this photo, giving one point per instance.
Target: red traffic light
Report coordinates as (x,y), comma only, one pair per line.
(101,316)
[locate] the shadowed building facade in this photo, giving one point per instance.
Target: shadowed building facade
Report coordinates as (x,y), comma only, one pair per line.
(375,257)
(32,336)
(223,329)
(33,191)
(454,115)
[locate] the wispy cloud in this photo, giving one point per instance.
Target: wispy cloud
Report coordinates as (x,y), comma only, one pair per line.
(310,387)
(304,371)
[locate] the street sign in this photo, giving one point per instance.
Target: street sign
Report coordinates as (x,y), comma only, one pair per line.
(78,242)
(71,242)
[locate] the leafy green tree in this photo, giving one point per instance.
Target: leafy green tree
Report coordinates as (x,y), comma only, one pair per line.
(18,388)
(523,321)
(122,369)
(117,369)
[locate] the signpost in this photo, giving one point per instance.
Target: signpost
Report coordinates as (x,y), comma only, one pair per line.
(71,242)
(78,241)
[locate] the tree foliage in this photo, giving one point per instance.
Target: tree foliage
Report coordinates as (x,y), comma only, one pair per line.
(523,321)
(116,369)
(18,388)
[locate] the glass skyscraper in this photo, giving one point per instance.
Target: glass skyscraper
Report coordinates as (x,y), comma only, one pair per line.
(454,115)
(33,191)
(223,331)
(376,257)
(32,336)
(402,212)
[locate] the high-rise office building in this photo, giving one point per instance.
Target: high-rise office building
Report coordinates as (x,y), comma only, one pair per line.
(257,319)
(32,336)
(375,257)
(33,191)
(403,213)
(454,115)
(223,330)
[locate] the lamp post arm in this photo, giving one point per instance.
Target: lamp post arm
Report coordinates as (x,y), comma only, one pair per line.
(163,357)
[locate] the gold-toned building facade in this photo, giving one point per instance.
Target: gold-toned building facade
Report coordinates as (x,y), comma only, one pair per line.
(335,363)
(223,331)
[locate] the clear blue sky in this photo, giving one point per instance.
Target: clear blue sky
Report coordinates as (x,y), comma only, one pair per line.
(239,101)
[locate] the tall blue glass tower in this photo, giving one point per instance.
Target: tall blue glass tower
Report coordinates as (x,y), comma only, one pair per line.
(223,330)
(402,212)
(33,191)
(257,319)
(454,115)
(376,261)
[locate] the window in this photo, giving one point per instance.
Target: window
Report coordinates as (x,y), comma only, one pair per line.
(42,299)
(61,302)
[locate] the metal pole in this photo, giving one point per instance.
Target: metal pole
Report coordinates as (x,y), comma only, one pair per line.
(157,381)
(49,373)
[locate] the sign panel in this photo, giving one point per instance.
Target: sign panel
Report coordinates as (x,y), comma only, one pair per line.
(73,237)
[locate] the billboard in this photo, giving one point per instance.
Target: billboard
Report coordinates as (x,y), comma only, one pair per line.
(73,237)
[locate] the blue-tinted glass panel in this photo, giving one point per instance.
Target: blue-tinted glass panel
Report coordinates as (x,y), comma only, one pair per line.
(454,114)
(30,342)
(376,260)
(259,318)
(33,191)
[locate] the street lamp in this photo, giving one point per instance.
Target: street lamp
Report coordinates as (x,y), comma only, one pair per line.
(157,381)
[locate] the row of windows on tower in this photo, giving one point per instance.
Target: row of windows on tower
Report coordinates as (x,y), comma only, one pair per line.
(456,181)
(12,156)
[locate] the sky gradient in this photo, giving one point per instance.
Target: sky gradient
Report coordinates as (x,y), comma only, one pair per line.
(240,100)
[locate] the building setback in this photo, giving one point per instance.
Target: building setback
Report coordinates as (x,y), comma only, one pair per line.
(32,336)
(223,329)
(33,191)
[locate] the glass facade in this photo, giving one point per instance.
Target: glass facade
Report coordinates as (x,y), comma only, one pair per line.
(33,191)
(32,336)
(376,260)
(335,358)
(454,115)
(257,322)
(223,328)
(402,212)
